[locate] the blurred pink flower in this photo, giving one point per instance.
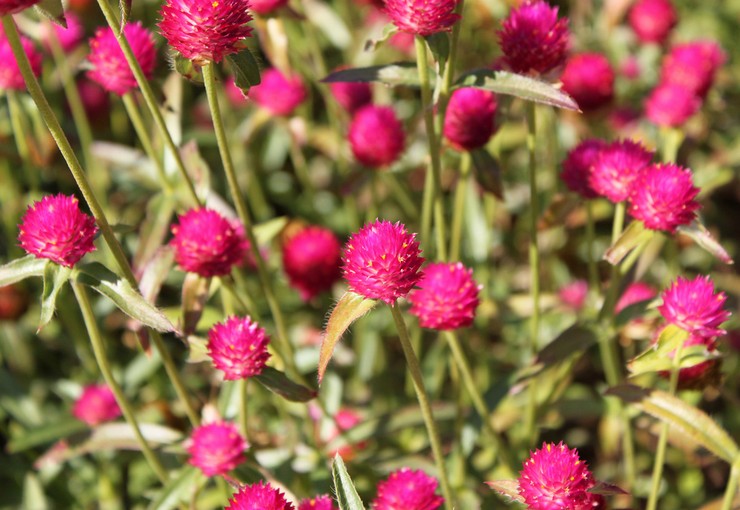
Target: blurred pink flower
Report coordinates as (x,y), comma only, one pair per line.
(693,65)
(574,294)
(96,405)
(615,169)
(407,489)
(216,448)
(376,136)
(422,17)
(10,74)
(109,66)
(265,7)
(670,104)
(238,347)
(652,20)
(578,165)
(469,119)
(446,297)
(352,95)
(664,197)
(312,260)
(635,293)
(589,79)
(277,93)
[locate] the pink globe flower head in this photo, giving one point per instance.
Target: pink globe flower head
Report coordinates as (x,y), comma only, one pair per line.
(407,489)
(312,259)
(589,79)
(696,375)
(351,95)
(636,292)
(422,17)
(578,165)
(207,244)
(693,65)
(279,94)
(618,165)
(573,295)
(238,347)
(15,6)
(259,496)
(318,503)
(533,39)
(469,119)
(664,197)
(265,7)
(446,298)
(693,306)
(96,405)
(555,478)
(382,261)
(55,229)
(671,104)
(95,100)
(205,31)
(234,94)
(630,68)
(109,66)
(10,73)
(68,37)
(376,136)
(216,448)
(343,420)
(652,20)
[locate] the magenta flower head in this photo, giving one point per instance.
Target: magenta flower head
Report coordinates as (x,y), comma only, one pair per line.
(573,295)
(207,244)
(259,496)
(376,136)
(205,31)
(109,66)
(318,503)
(617,167)
(635,293)
(446,298)
(652,20)
(664,197)
(578,165)
(382,261)
(671,104)
(10,74)
(351,95)
(277,93)
(533,39)
(555,478)
(589,79)
(422,17)
(312,260)
(265,7)
(693,65)
(96,405)
(238,347)
(693,306)
(407,489)
(15,6)
(55,229)
(216,448)
(68,37)
(469,119)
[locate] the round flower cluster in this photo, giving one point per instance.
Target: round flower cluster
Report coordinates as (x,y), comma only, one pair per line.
(376,136)
(469,119)
(216,448)
(96,405)
(664,197)
(407,489)
(422,17)
(652,20)
(238,347)
(616,168)
(351,95)
(589,79)
(312,260)
(259,496)
(693,306)
(277,93)
(10,73)
(578,165)
(446,298)
(573,295)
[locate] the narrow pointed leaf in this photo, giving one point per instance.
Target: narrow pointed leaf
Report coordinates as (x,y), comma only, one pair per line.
(659,356)
(52,10)
(20,269)
(401,73)
(125,6)
(278,383)
(245,68)
(633,236)
(55,276)
(439,45)
(607,489)
(507,488)
(347,496)
(178,490)
(701,236)
(267,231)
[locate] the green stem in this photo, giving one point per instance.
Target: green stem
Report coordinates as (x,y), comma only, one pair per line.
(458,213)
(243,410)
(421,394)
(299,164)
(449,71)
(402,196)
(731,490)
(19,128)
(593,270)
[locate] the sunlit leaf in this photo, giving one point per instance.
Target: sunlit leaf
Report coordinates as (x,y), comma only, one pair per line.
(344,488)
(20,269)
(245,68)
(53,10)
(659,356)
(507,488)
(178,490)
(701,236)
(55,276)
(278,383)
(634,235)
(401,73)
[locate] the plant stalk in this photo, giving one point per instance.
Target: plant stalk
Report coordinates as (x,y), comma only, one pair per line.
(731,490)
(458,213)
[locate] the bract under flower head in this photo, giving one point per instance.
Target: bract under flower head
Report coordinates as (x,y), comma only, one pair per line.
(446,298)
(109,66)
(589,79)
(312,260)
(469,119)
(10,73)
(693,306)
(578,165)
(407,489)
(238,347)
(318,503)
(15,6)
(652,20)
(277,93)
(376,136)
(422,17)
(664,197)
(617,167)
(216,448)
(693,65)
(96,405)
(671,104)
(259,496)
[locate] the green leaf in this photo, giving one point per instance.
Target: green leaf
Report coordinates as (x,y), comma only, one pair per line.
(46,434)
(55,276)
(265,232)
(20,269)
(439,45)
(507,488)
(388,31)
(350,307)
(701,236)
(326,19)
(52,10)
(658,356)
(245,68)
(487,172)
(178,490)
(187,69)
(278,383)
(634,236)
(347,496)
(125,7)
(401,73)
(695,424)
(573,340)
(523,87)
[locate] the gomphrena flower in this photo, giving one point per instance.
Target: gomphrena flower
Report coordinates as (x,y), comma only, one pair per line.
(96,405)
(109,66)
(664,197)
(55,229)
(589,79)
(652,20)
(693,65)
(277,93)
(312,259)
(208,244)
(15,6)
(578,165)
(555,478)
(617,167)
(446,298)
(351,95)
(318,503)
(407,489)
(259,496)
(469,119)
(693,306)
(68,37)
(635,293)
(533,39)
(671,104)
(573,295)
(376,136)
(422,17)
(265,7)
(382,261)
(10,73)
(216,448)
(205,31)
(238,347)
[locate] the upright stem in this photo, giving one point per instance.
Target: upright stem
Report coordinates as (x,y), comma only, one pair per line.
(458,213)
(243,409)
(449,71)
(593,271)
(19,134)
(421,394)
(731,490)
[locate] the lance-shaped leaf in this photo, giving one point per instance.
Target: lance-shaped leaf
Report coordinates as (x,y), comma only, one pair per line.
(703,238)
(507,488)
(607,489)
(278,383)
(20,269)
(659,356)
(634,236)
(53,10)
(347,496)
(400,73)
(55,276)
(439,45)
(246,70)
(350,307)
(695,424)
(125,7)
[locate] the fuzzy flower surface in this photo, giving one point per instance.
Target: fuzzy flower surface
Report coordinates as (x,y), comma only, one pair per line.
(109,66)
(205,31)
(318,503)
(376,136)
(617,167)
(693,306)
(265,7)
(555,478)
(10,73)
(56,229)
(407,489)
(693,65)
(216,448)
(422,17)
(351,95)
(238,347)
(96,405)
(312,259)
(533,39)
(207,244)
(15,6)
(578,165)
(277,93)
(635,293)
(382,261)
(589,79)
(469,119)
(652,20)
(671,104)
(259,496)
(446,298)
(664,197)
(573,295)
